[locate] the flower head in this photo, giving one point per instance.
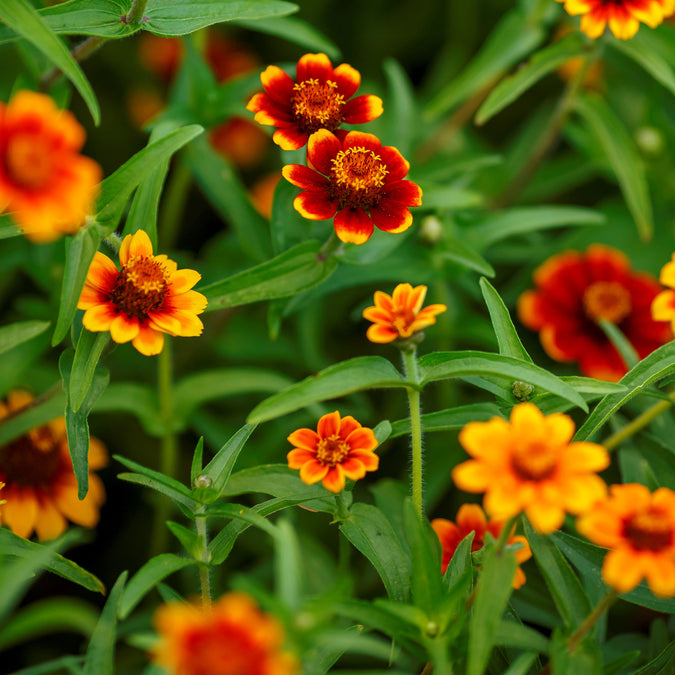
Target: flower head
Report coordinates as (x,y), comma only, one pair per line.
(233,637)
(663,305)
(623,16)
(339,448)
(46,185)
(358,181)
(320,97)
(40,486)
(639,528)
(400,314)
(575,290)
(148,297)
(530,465)
(471,518)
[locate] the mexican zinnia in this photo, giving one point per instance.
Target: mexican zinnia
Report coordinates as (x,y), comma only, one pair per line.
(530,465)
(150,296)
(233,637)
(623,16)
(471,518)
(46,185)
(320,97)
(639,528)
(339,448)
(40,486)
(358,181)
(575,290)
(663,305)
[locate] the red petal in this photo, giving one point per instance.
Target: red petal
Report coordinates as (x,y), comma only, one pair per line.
(391,216)
(347,78)
(277,84)
(362,109)
(353,226)
(322,147)
(360,139)
(290,138)
(304,177)
(403,191)
(315,205)
(398,166)
(317,66)
(269,113)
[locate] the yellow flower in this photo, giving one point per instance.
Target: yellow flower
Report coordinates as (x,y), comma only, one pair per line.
(663,305)
(150,296)
(530,465)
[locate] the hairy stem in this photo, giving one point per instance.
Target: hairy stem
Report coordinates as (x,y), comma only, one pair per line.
(410,365)
(136,12)
(204,570)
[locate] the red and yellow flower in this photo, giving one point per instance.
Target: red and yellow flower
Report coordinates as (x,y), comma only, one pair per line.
(46,185)
(356,180)
(320,97)
(623,16)
(663,305)
(400,314)
(40,485)
(148,297)
(471,518)
(529,465)
(339,448)
(639,528)
(232,637)
(574,291)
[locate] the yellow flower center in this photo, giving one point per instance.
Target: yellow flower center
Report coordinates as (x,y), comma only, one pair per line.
(317,105)
(32,459)
(28,164)
(652,530)
(534,461)
(402,319)
(607,300)
(331,450)
(357,175)
(140,287)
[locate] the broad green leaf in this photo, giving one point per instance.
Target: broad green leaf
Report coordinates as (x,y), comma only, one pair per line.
(619,148)
(87,354)
(649,59)
(589,388)
(512,634)
(449,419)
(363,372)
(19,332)
(449,197)
(287,227)
(661,664)
(220,467)
(24,19)
(288,567)
(458,252)
(56,665)
(188,538)
(7,227)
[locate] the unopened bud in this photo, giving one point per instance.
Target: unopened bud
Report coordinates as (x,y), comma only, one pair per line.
(431,629)
(522,390)
(203,481)
(431,230)
(650,141)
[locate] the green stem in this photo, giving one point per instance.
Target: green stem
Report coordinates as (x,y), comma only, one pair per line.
(332,247)
(204,570)
(412,375)
(590,621)
(173,208)
(503,537)
(135,15)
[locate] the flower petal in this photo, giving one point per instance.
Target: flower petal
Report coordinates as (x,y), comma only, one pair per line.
(334,480)
(304,177)
(314,66)
(290,138)
(353,226)
(403,191)
(124,328)
(183,280)
(362,438)
(299,456)
(312,472)
(99,318)
(137,244)
(149,341)
(348,79)
(322,147)
(306,439)
(391,216)
(20,511)
(278,85)
(362,109)
(315,205)
(329,425)
(49,523)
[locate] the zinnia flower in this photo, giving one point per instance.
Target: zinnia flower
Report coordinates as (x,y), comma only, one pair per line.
(623,16)
(338,448)
(233,637)
(639,527)
(150,296)
(318,98)
(40,486)
(47,187)
(575,290)
(358,181)
(471,518)
(400,314)
(530,465)
(663,306)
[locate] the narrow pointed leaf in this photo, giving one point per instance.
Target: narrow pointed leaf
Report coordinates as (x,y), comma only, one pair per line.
(20,332)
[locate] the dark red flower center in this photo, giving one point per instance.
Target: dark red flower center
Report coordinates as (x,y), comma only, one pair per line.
(356,178)
(607,300)
(28,163)
(652,530)
(32,459)
(331,450)
(534,461)
(317,105)
(140,287)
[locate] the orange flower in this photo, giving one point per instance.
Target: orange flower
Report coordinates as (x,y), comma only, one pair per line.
(150,296)
(575,290)
(233,637)
(356,180)
(663,305)
(262,193)
(639,527)
(568,70)
(320,97)
(338,448)
(400,314)
(530,465)
(623,16)
(471,518)
(40,486)
(240,141)
(47,187)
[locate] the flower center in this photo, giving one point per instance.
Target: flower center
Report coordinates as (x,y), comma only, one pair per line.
(140,287)
(317,105)
(652,530)
(356,177)
(331,450)
(607,300)
(534,461)
(28,164)
(402,320)
(32,459)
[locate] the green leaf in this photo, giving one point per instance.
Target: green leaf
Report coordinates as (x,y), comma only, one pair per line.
(220,467)
(589,388)
(621,343)
(19,332)
(276,480)
(244,514)
(512,634)
(24,19)
(189,539)
(449,197)
(363,372)
(649,59)
(449,419)
(661,664)
(137,399)
(522,664)
(69,662)
(401,106)
(454,249)
(288,568)
(197,461)
(87,354)
(586,658)
(619,148)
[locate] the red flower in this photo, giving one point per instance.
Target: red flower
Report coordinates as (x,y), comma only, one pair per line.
(357,180)
(575,290)
(318,98)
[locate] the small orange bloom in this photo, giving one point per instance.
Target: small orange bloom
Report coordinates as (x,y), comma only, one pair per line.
(320,97)
(40,486)
(150,296)
(639,527)
(663,305)
(338,448)
(47,187)
(240,141)
(530,465)
(233,637)
(623,16)
(400,314)
(262,193)
(471,518)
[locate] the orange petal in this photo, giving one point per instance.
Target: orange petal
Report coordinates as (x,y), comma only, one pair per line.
(99,318)
(20,511)
(149,341)
(312,472)
(49,522)
(124,328)
(362,438)
(183,280)
(304,438)
(381,334)
(299,456)
(334,480)
(621,570)
(329,425)
(353,468)
(137,244)
(353,226)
